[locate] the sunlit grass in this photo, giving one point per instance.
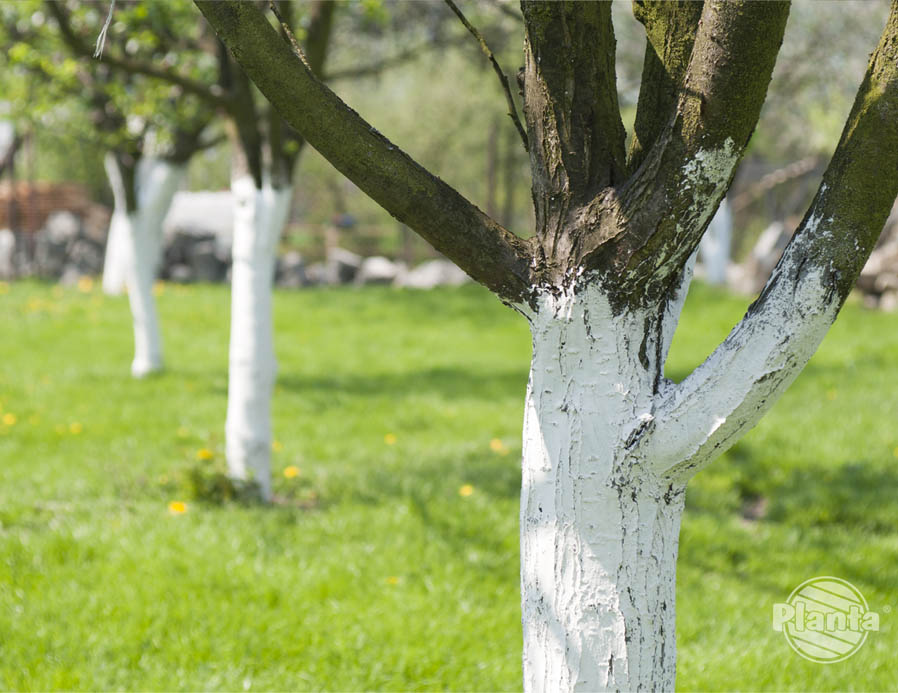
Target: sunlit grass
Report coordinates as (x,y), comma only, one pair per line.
(393,561)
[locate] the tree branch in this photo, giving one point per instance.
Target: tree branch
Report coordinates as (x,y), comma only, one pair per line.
(375,68)
(81,47)
(503,78)
(670,28)
(641,235)
(740,381)
(455,227)
(573,118)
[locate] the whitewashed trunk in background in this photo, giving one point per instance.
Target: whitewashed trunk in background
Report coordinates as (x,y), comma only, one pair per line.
(157,181)
(715,245)
(599,533)
(135,239)
(259,218)
(115,261)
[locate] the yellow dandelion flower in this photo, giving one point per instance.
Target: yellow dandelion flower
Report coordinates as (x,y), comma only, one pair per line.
(465,490)
(392,580)
(177,507)
(9,419)
(291,472)
(276,446)
(390,439)
(204,454)
(498,447)
(85,284)
(158,289)
(75,428)
(183,432)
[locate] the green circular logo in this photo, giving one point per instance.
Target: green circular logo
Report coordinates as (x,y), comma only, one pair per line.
(825,619)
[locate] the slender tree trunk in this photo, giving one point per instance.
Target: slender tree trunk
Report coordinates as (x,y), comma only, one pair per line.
(259,218)
(715,245)
(599,532)
(135,236)
(157,182)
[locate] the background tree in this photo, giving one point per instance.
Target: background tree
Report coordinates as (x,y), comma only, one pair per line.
(148,132)
(609,443)
(264,154)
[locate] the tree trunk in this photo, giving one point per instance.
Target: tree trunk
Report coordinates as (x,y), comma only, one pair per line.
(259,218)
(133,249)
(598,531)
(157,182)
(715,245)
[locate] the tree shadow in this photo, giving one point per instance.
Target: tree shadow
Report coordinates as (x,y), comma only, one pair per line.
(447,382)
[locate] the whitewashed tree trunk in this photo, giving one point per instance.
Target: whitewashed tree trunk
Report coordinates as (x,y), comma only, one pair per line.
(598,531)
(137,239)
(259,218)
(115,261)
(157,181)
(716,244)
(609,446)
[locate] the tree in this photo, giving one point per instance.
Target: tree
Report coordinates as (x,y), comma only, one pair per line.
(149,136)
(265,152)
(609,442)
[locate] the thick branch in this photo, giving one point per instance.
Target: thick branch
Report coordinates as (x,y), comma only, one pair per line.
(641,235)
(81,47)
(725,396)
(573,118)
(454,226)
(670,27)
(503,78)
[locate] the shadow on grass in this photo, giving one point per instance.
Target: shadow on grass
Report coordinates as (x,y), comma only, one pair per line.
(447,383)
(817,506)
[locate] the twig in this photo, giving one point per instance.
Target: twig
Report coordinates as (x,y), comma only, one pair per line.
(512,109)
(101,39)
(380,66)
(288,32)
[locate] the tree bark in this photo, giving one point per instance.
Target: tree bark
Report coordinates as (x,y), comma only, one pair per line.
(259,218)
(598,531)
(134,246)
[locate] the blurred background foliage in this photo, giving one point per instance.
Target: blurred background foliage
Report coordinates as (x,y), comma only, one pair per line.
(411,70)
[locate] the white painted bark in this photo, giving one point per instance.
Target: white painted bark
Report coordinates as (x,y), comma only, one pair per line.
(598,531)
(157,182)
(727,395)
(115,260)
(715,245)
(259,218)
(137,239)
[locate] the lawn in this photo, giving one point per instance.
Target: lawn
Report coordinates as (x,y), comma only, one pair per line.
(392,560)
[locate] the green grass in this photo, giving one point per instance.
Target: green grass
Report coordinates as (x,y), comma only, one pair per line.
(376,573)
